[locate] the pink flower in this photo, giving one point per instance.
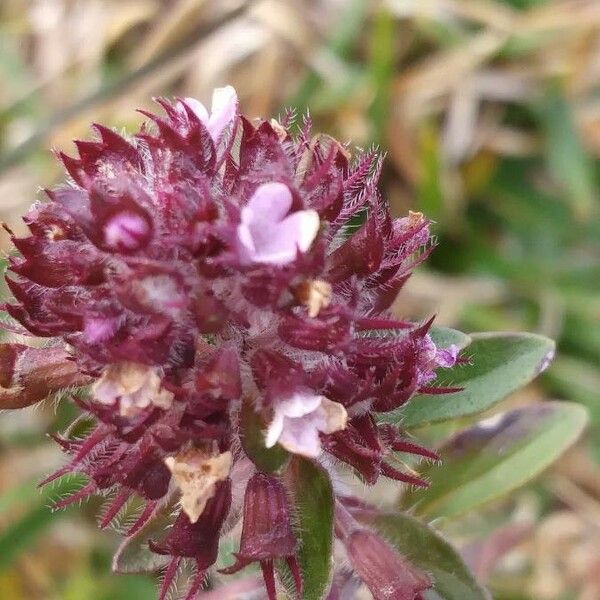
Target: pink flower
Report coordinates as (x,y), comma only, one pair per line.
(222,112)
(126,231)
(267,235)
(132,388)
(299,420)
(446,357)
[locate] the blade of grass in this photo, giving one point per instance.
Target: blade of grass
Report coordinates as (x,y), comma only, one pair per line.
(566,157)
(340,44)
(117,88)
(382,72)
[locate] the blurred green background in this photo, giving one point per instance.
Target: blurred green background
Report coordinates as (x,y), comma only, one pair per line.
(489,113)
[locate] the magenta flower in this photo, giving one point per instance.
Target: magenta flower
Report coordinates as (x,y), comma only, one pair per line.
(205,264)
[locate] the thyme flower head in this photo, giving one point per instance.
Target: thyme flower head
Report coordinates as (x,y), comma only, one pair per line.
(224,286)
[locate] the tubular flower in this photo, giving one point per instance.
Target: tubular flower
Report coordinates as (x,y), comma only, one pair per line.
(205,260)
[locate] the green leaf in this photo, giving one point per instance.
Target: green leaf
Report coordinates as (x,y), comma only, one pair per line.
(501,363)
(428,551)
(253,442)
(496,456)
(313,500)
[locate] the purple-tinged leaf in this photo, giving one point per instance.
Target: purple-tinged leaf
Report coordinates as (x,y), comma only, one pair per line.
(496,456)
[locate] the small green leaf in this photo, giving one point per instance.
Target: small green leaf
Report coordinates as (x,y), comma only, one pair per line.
(313,500)
(253,441)
(428,551)
(501,363)
(496,456)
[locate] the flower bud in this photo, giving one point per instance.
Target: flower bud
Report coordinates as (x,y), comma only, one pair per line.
(28,375)
(126,232)
(387,575)
(267,531)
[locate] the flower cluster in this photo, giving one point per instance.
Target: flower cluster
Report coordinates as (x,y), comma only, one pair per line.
(207,269)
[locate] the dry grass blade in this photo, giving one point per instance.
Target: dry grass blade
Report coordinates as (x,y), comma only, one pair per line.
(177,22)
(120,86)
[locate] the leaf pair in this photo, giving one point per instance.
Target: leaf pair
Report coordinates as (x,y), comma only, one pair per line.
(503,452)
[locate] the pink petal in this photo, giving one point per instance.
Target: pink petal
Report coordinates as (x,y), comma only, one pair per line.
(126,230)
(300,436)
(266,236)
(446,357)
(198,108)
(99,329)
(299,404)
(274,430)
(265,244)
(247,242)
(276,255)
(278,244)
(302,227)
(269,204)
(223,110)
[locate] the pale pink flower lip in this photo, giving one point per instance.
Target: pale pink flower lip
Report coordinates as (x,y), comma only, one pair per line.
(222,112)
(133,387)
(267,235)
(446,357)
(299,419)
(99,329)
